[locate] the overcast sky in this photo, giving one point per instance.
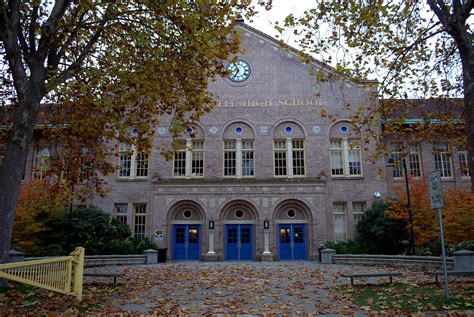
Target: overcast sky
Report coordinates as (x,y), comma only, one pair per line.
(265,20)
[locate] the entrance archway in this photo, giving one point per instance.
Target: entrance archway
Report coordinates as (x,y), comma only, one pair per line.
(239,219)
(186,219)
(292,220)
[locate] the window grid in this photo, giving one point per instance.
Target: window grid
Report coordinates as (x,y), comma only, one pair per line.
(442,159)
(121,211)
(396,156)
(179,163)
(298,157)
(125,160)
(414,160)
(340,221)
(141,163)
(230,158)
(197,161)
(337,162)
(358,208)
(345,157)
(41,162)
(139,220)
(248,167)
(355,167)
(280,157)
(464,164)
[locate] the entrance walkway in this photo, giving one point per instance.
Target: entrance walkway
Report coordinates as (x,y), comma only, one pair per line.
(237,288)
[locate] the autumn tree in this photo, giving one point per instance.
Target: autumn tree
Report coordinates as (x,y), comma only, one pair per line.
(414,48)
(458,217)
(88,72)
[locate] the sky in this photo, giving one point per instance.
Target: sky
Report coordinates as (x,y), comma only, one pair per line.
(264,21)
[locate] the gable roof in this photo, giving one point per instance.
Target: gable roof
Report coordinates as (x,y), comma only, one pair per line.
(293,52)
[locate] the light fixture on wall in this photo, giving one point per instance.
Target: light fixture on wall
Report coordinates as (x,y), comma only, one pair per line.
(266,224)
(211,224)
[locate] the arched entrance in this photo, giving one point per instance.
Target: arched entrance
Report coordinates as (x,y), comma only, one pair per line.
(239,218)
(186,219)
(292,218)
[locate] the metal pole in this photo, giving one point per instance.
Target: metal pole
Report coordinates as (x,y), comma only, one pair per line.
(443,250)
(410,213)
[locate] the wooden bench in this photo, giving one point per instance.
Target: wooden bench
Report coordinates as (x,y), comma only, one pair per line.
(114,275)
(375,274)
(457,273)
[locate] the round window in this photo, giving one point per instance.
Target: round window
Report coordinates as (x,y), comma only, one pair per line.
(344,129)
(239,130)
(288,130)
(187,214)
(239,213)
(189,130)
(291,213)
(135,132)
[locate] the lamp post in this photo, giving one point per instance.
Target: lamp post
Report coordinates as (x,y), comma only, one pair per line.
(391,163)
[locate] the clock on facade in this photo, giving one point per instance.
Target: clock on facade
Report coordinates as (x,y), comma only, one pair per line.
(238,71)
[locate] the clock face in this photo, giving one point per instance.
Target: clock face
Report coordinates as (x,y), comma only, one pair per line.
(238,71)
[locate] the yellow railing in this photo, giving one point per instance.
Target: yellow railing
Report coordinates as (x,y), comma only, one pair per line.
(53,274)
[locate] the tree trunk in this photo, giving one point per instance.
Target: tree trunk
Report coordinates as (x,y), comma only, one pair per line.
(468,77)
(13,167)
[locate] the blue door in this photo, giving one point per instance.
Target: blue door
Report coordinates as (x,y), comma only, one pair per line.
(292,241)
(239,244)
(186,242)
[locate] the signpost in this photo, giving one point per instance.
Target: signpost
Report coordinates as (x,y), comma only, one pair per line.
(436,202)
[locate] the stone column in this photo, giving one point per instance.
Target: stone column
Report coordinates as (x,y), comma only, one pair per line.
(211,254)
(326,256)
(266,255)
(151,256)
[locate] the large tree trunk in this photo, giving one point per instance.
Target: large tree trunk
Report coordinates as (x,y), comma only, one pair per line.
(468,76)
(13,166)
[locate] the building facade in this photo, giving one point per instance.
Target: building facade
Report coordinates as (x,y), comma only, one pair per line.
(263,176)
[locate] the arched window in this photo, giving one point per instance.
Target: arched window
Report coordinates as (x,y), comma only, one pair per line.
(289,150)
(188,161)
(345,150)
(239,151)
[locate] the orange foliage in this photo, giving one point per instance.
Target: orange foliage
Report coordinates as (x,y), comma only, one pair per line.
(37,197)
(458,213)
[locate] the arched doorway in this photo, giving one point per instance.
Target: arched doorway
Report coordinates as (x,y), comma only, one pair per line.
(186,219)
(239,218)
(292,218)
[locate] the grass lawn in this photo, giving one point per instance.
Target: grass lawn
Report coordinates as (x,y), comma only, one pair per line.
(412,298)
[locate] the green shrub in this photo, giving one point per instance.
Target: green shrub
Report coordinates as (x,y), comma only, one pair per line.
(379,234)
(91,228)
(347,247)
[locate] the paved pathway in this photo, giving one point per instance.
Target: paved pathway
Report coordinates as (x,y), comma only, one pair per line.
(238,288)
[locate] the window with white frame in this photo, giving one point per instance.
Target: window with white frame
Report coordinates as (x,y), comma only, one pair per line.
(121,211)
(139,220)
(189,160)
(442,158)
(358,208)
(464,164)
(289,157)
(41,162)
(345,156)
(239,158)
(414,160)
(132,163)
(340,221)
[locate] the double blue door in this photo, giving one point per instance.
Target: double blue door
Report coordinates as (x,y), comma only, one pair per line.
(239,242)
(186,242)
(292,241)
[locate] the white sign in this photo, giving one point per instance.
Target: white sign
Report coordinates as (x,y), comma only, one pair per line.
(159,235)
(436,191)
